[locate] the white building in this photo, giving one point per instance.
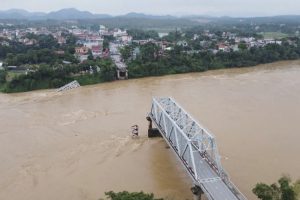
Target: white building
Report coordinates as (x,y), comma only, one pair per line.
(120,33)
(126,38)
(103,30)
(93,41)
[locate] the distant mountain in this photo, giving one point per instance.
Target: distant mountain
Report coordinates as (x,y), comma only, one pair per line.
(102,16)
(64,14)
(69,13)
(19,14)
(284,19)
(74,14)
(142,15)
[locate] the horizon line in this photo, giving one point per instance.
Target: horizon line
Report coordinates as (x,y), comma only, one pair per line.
(156,15)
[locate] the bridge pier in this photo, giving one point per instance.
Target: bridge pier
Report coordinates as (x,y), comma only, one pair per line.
(152,132)
(122,74)
(197,192)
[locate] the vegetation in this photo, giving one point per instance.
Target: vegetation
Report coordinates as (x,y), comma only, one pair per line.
(40,66)
(150,62)
(48,76)
(43,51)
(140,23)
(2,76)
(130,196)
(274,35)
(139,34)
(284,190)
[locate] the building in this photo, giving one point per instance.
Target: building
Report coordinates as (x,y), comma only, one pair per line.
(61,40)
(223,47)
(93,41)
(5,43)
(81,50)
(126,39)
(118,33)
(82,58)
(96,50)
(182,43)
(28,42)
(103,30)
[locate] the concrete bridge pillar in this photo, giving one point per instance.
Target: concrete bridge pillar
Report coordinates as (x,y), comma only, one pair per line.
(152,132)
(197,192)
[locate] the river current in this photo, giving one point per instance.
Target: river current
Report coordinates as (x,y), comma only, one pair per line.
(77,145)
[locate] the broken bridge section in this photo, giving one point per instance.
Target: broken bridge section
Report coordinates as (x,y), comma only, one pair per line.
(196,149)
(69,86)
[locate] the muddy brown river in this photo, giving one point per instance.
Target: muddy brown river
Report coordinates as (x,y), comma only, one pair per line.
(77,145)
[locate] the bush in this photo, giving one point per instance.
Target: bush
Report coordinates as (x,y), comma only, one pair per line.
(130,196)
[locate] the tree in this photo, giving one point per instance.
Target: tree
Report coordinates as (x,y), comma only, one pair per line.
(90,55)
(138,34)
(287,192)
(265,192)
(70,39)
(107,70)
(284,191)
(297,189)
(126,52)
(242,46)
(130,196)
(47,41)
(149,52)
(2,76)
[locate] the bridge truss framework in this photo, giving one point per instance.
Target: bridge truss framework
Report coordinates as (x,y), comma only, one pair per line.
(195,147)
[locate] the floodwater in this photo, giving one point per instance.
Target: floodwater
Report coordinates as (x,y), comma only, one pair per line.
(77,145)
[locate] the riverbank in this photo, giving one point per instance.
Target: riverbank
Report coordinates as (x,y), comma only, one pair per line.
(96,78)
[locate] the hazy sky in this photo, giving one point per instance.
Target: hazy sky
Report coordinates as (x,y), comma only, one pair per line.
(174,7)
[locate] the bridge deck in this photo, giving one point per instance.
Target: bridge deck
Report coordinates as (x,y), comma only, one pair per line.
(195,147)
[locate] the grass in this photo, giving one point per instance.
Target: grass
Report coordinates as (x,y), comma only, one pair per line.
(274,35)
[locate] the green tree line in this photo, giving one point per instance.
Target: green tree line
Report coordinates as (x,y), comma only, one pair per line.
(54,76)
(150,62)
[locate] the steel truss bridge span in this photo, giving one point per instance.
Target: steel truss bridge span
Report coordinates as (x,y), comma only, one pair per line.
(195,147)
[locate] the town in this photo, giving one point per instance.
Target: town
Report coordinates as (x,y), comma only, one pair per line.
(97,54)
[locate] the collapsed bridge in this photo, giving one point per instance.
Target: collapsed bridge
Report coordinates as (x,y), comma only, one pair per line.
(196,149)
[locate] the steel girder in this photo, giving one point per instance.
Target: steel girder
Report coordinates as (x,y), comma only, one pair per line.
(195,146)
